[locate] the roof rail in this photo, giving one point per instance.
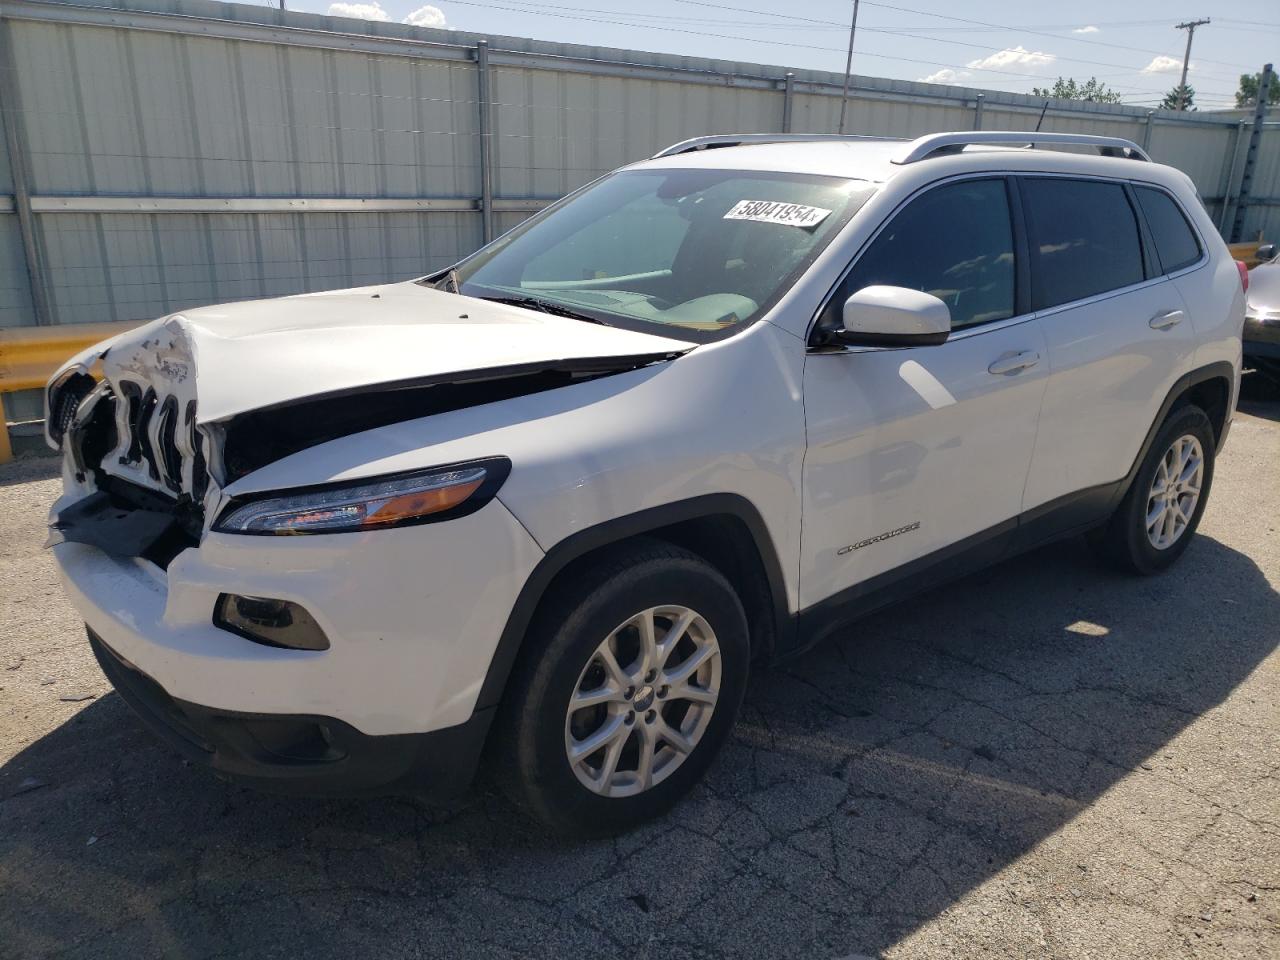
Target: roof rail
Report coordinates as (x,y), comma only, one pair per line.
(943,143)
(745,139)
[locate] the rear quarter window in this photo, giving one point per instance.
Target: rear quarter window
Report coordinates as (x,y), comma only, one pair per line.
(1084,239)
(1176,243)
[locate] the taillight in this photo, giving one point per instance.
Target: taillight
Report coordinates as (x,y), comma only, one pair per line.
(1244,275)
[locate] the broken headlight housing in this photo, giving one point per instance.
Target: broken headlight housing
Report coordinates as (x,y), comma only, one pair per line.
(423,496)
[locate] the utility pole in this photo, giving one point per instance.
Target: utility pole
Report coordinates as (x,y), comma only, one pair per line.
(848,65)
(1190,27)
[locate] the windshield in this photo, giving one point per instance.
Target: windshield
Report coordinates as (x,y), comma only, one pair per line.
(701,250)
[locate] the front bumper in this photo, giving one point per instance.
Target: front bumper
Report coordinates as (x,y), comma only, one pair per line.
(315,756)
(413,616)
(1262,336)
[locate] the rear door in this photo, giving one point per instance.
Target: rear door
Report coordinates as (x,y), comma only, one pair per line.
(916,454)
(1118,337)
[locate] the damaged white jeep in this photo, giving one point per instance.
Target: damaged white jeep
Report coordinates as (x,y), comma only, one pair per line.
(554,500)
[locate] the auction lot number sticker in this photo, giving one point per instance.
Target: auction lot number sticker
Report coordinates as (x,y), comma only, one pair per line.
(775,211)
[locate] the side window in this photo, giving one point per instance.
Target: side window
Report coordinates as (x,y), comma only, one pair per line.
(1175,241)
(954,242)
(1084,239)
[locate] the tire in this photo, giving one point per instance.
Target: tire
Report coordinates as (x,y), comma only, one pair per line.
(1127,541)
(605,604)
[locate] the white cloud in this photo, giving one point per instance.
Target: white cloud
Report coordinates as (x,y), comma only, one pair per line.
(946,75)
(1163,64)
(359,11)
(427,16)
(1013,57)
(1089,29)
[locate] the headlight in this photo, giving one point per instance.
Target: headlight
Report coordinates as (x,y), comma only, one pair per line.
(424,496)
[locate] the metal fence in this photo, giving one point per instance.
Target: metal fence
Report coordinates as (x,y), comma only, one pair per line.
(168,153)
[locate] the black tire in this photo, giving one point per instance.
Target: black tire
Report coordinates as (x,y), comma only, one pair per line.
(1123,542)
(587,606)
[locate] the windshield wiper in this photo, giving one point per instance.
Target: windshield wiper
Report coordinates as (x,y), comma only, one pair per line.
(533,303)
(451,279)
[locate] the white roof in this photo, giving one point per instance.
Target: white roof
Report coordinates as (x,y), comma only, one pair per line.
(854,159)
(872,160)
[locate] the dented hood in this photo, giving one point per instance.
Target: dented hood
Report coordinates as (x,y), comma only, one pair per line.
(264,353)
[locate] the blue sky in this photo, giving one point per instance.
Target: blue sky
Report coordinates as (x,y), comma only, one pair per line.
(1131,46)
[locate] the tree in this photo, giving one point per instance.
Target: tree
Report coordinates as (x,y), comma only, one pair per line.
(1068,89)
(1247,95)
(1179,98)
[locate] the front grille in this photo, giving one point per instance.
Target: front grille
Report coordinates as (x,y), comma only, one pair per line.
(168,457)
(161,440)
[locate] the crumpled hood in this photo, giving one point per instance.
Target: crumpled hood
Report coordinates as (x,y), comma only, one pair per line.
(1264,288)
(259,354)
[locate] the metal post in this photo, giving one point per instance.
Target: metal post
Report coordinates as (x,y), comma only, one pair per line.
(1233,161)
(977,111)
(788,95)
(1251,155)
(1146,133)
(486,146)
(13,139)
(848,66)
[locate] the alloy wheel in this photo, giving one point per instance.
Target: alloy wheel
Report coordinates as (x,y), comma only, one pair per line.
(643,701)
(1175,492)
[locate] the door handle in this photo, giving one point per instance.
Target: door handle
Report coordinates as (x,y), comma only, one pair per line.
(1166,319)
(1015,363)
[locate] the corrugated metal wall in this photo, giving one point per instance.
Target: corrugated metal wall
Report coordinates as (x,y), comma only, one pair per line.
(201,101)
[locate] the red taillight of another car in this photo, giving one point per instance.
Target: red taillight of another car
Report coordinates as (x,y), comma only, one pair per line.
(1244,275)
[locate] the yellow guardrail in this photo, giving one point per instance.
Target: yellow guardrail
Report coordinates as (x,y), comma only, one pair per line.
(1246,252)
(30,355)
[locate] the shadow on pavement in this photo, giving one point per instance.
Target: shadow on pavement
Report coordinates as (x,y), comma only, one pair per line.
(1260,396)
(27,469)
(870,785)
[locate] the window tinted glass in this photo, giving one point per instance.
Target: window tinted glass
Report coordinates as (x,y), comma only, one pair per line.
(1175,241)
(954,242)
(1084,240)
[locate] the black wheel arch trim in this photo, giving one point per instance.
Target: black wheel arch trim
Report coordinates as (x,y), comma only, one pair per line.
(1219,369)
(617,530)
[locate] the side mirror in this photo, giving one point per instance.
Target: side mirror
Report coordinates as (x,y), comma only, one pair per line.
(882,316)
(1266,253)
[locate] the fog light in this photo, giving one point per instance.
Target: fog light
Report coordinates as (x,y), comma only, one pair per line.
(277,623)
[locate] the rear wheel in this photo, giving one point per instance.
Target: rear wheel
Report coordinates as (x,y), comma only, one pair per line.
(1158,516)
(628,686)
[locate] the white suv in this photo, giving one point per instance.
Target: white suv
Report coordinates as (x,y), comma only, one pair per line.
(705,410)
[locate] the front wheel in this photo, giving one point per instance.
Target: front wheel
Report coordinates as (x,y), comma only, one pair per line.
(629,684)
(1158,516)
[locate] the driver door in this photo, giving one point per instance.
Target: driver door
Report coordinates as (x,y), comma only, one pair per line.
(917,457)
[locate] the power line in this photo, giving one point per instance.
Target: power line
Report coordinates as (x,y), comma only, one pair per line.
(1033,30)
(1126,68)
(542,11)
(980,23)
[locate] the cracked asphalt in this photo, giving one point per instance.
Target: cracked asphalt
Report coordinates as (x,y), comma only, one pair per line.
(1042,760)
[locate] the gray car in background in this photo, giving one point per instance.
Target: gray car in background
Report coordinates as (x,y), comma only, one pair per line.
(1262,315)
